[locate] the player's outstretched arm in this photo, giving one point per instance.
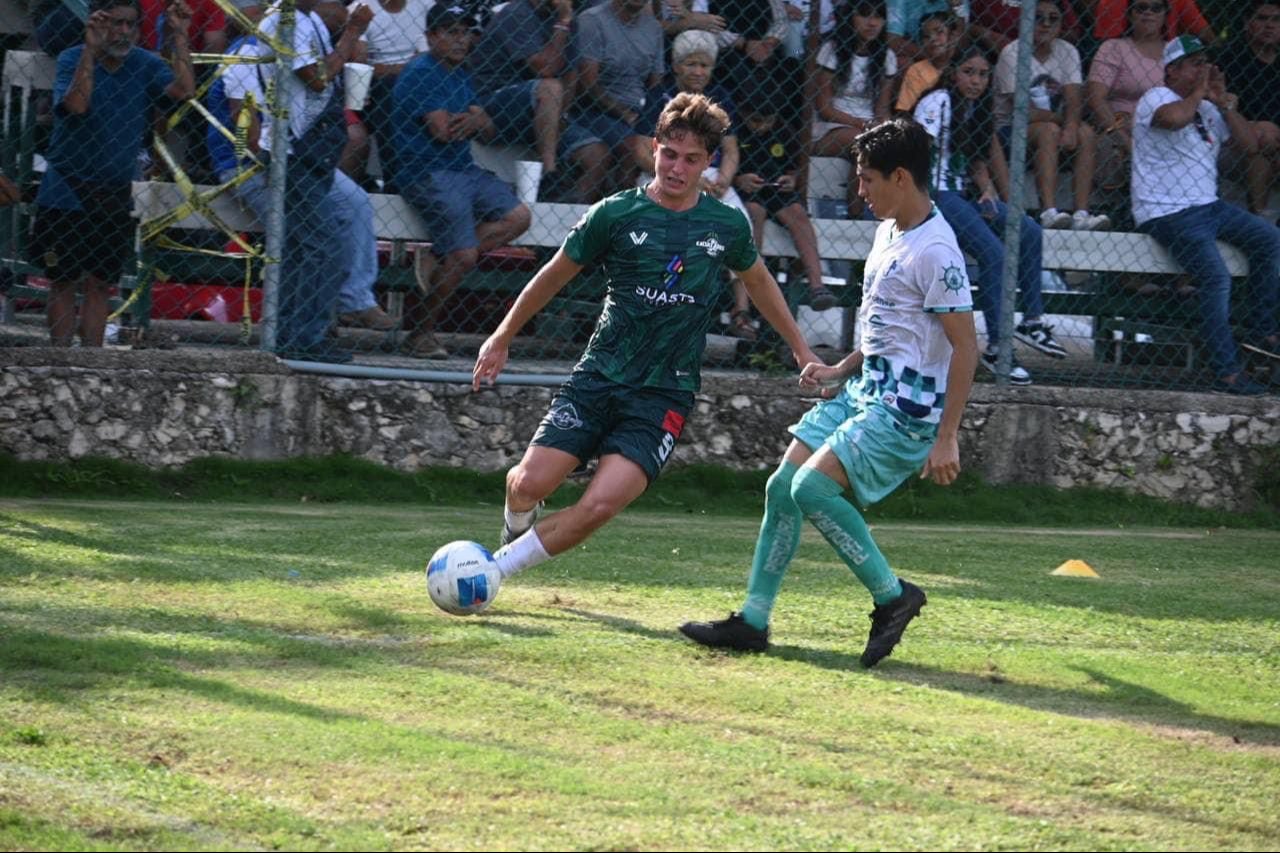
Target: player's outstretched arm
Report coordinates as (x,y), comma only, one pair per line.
(766,296)
(943,464)
(828,379)
(545,284)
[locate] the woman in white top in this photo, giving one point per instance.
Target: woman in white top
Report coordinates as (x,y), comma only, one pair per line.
(855,82)
(855,78)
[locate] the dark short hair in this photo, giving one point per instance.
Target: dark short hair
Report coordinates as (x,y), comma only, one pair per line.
(899,143)
(104,5)
(696,114)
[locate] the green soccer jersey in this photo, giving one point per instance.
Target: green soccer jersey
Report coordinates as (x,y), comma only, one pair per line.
(665,283)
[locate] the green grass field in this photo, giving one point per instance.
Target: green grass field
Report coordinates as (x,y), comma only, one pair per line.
(273,675)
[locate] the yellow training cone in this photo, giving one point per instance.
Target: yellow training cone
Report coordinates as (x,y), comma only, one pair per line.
(1075,569)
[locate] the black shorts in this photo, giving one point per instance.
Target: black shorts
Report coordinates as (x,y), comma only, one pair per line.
(594,416)
(773,199)
(97,240)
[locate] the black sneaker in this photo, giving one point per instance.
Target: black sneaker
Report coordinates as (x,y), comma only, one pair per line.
(731,633)
(888,621)
(1017,373)
(1039,336)
(509,535)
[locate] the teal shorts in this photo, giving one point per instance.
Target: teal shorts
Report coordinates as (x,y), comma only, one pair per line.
(877,449)
(595,416)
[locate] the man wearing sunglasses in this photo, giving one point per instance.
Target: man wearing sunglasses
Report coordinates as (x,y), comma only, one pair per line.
(1178,132)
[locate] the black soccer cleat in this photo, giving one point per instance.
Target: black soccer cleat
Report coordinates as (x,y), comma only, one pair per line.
(732,633)
(508,535)
(888,621)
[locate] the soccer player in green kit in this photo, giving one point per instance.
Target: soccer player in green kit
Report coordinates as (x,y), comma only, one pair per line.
(663,246)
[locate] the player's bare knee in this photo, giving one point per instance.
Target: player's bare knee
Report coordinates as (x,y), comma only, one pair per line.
(594,513)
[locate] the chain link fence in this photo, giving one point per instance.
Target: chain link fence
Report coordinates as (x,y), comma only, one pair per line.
(1108,168)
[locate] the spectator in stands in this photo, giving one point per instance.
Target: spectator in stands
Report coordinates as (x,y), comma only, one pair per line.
(317,251)
(905,17)
(104,95)
(1123,70)
(1001,17)
(1251,66)
(693,61)
(798,13)
(940,36)
(397,33)
(676,16)
(524,73)
(355,153)
(855,80)
(1178,131)
(1110,20)
(767,180)
(1056,122)
(9,192)
(206,33)
(958,115)
(620,51)
(468,211)
(754,31)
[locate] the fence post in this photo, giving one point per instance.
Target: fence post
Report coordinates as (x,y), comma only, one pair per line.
(276,177)
(1017,176)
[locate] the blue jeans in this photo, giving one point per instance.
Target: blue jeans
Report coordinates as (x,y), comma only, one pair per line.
(1189,236)
(981,239)
(354,212)
(312,268)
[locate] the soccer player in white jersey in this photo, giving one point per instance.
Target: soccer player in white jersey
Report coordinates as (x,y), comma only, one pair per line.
(896,413)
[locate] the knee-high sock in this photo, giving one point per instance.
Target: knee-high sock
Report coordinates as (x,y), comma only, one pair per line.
(525,552)
(818,497)
(775,546)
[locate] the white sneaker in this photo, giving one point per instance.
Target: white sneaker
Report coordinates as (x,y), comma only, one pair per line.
(1051,217)
(1083,220)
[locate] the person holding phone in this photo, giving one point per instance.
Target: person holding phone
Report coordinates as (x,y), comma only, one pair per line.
(767,180)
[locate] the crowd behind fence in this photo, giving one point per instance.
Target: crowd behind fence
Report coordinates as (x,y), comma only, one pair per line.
(438,153)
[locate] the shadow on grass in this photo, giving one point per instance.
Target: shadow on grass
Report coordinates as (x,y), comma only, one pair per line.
(1123,700)
(56,665)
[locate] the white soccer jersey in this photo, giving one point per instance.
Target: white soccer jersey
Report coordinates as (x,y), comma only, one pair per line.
(909,277)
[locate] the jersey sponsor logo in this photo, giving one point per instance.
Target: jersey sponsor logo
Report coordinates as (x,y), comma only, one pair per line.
(654,296)
(953,279)
(674,272)
(713,245)
(638,239)
(565,416)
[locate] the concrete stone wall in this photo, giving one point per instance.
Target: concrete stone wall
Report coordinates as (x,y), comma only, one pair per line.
(166,408)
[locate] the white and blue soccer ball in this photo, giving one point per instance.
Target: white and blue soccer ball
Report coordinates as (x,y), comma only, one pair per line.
(462,578)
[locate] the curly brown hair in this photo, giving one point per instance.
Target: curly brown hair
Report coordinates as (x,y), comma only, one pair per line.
(691,113)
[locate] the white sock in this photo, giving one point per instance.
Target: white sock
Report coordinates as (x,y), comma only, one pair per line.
(518,522)
(524,553)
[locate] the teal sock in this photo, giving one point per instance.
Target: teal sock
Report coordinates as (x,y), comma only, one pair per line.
(818,497)
(775,546)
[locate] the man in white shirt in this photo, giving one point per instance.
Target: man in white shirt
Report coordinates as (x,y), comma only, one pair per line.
(1178,131)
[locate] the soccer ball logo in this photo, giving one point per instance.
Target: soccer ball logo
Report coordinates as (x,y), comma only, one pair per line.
(462,578)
